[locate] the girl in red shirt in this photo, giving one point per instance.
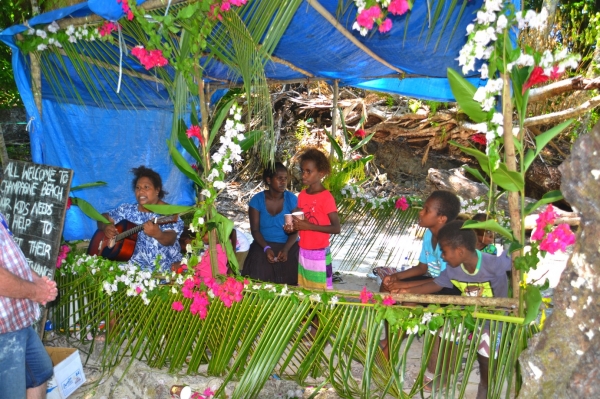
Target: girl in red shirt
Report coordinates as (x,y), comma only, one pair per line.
(320,220)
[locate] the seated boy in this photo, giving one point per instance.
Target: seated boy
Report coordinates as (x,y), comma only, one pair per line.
(485,238)
(474,273)
(440,208)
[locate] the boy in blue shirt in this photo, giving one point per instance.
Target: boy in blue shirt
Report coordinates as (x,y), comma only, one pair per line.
(440,208)
(474,273)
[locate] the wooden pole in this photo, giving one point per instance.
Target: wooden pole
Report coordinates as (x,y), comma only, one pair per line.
(510,159)
(334,114)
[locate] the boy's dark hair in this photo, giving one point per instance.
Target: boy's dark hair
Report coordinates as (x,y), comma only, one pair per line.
(143,171)
(272,170)
(448,204)
(455,236)
(320,160)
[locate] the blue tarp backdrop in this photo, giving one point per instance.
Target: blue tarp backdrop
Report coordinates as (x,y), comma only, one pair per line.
(104,143)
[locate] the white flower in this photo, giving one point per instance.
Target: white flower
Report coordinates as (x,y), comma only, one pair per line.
(501,23)
(42,47)
(426,318)
(256,287)
(268,286)
(237,116)
(480,94)
(333,301)
(30,31)
(70,30)
(72,39)
(219,185)
(53,27)
(315,297)
(470,28)
(205,193)
(188,248)
(498,118)
(413,330)
(217,157)
(484,71)
(174,290)
(41,33)
(192,228)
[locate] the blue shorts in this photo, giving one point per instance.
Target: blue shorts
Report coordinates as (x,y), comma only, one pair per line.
(24,363)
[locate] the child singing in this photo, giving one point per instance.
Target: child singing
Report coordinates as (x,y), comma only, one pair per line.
(320,220)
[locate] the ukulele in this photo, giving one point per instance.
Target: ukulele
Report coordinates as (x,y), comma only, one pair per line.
(121,247)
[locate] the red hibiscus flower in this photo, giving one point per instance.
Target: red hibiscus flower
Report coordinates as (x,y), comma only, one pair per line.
(360,133)
(478,138)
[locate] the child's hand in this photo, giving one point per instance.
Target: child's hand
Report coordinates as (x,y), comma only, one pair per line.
(301,224)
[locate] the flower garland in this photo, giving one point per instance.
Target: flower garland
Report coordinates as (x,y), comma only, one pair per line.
(375,12)
(42,38)
(485,43)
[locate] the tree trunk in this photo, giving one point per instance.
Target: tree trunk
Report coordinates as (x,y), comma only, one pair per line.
(563,361)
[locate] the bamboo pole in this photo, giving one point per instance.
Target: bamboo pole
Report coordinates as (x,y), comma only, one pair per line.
(334,114)
(511,162)
(508,303)
(36,82)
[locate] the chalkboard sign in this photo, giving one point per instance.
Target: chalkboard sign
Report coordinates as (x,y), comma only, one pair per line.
(33,199)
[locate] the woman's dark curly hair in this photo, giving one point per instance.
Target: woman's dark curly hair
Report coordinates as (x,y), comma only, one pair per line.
(143,171)
(321,162)
(272,170)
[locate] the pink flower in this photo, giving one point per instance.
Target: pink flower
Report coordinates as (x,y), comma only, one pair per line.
(385,26)
(368,16)
(238,3)
(402,203)
(69,203)
(365,296)
(62,255)
(107,28)
(138,290)
(478,138)
(199,304)
(126,9)
(188,288)
(388,301)
(225,6)
(360,133)
(208,393)
(558,239)
(178,306)
(149,59)
(194,131)
(544,219)
(398,7)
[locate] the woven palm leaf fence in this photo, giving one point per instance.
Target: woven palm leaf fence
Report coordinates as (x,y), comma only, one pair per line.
(376,233)
(269,331)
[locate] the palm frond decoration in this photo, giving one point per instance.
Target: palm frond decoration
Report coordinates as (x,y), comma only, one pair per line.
(269,331)
(375,234)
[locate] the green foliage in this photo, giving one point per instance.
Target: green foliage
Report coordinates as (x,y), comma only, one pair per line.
(12,12)
(414,105)
(268,333)
(434,106)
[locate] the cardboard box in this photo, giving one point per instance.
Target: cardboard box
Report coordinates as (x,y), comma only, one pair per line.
(68,372)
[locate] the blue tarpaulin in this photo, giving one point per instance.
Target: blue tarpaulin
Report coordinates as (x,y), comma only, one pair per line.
(106,142)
